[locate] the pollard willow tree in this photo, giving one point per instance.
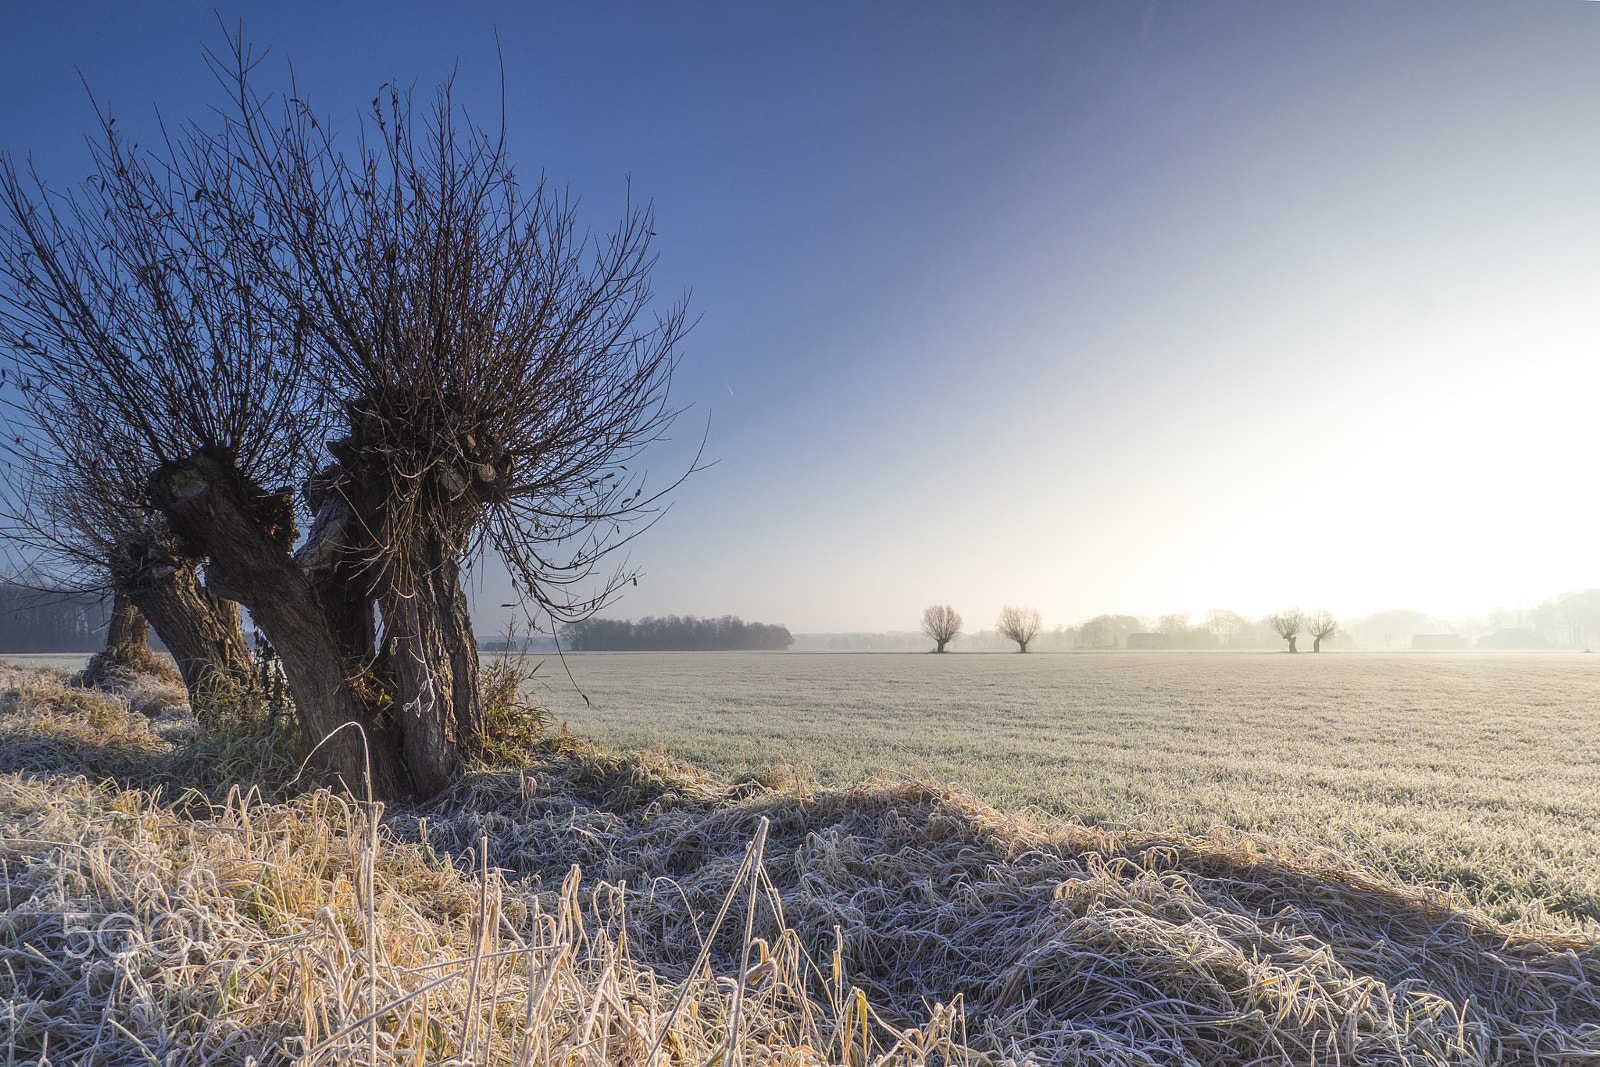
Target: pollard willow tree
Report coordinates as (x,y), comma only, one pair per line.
(1021,625)
(941,624)
(425,357)
(1321,625)
(96,286)
(1288,623)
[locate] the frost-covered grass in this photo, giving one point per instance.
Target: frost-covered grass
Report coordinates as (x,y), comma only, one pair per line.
(596,909)
(1477,773)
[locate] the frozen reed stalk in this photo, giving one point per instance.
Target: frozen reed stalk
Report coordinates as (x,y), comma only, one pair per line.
(757,847)
(369,877)
(470,1022)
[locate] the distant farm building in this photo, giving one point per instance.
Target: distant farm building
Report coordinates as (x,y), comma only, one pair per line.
(1438,641)
(1147,640)
(1514,640)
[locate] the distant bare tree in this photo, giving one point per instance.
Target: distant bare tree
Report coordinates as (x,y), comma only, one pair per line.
(1019,624)
(1320,624)
(1288,622)
(941,623)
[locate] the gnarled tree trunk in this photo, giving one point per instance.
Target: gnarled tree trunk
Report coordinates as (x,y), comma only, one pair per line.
(202,632)
(245,534)
(128,628)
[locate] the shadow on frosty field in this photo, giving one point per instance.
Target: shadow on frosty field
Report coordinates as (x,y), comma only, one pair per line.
(1478,773)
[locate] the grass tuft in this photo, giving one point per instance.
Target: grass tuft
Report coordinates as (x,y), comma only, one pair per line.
(514,727)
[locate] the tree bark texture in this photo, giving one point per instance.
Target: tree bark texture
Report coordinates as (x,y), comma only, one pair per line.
(428,654)
(127,643)
(128,629)
(202,632)
(246,534)
(433,655)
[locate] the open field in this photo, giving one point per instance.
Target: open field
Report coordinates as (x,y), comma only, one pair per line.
(617,910)
(1478,773)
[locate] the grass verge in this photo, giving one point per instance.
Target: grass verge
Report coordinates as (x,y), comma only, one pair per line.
(593,908)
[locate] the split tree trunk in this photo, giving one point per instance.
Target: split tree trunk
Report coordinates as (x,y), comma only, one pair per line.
(246,539)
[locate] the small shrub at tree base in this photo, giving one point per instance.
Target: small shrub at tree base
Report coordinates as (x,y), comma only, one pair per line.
(513,725)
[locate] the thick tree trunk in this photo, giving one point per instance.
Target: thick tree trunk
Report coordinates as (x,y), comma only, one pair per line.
(202,632)
(942,643)
(246,534)
(428,652)
(127,643)
(128,627)
(1291,641)
(433,656)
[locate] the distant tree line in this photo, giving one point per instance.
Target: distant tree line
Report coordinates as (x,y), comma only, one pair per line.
(675,633)
(1023,629)
(32,622)
(1568,620)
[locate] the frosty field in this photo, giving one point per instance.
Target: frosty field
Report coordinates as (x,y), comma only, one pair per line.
(1473,772)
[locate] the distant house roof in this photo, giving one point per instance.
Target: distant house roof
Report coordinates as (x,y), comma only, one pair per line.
(1514,639)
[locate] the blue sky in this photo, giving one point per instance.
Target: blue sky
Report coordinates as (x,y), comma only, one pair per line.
(1141,307)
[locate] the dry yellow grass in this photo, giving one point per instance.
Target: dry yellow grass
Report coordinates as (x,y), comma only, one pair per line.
(601,909)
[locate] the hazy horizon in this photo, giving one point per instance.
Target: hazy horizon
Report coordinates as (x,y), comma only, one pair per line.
(1126,307)
(972,626)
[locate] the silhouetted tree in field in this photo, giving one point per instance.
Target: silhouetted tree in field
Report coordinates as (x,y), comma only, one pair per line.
(1320,624)
(941,623)
(1288,623)
(1020,625)
(393,344)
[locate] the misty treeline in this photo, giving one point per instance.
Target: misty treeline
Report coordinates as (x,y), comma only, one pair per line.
(675,633)
(32,621)
(252,364)
(1216,629)
(1570,620)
